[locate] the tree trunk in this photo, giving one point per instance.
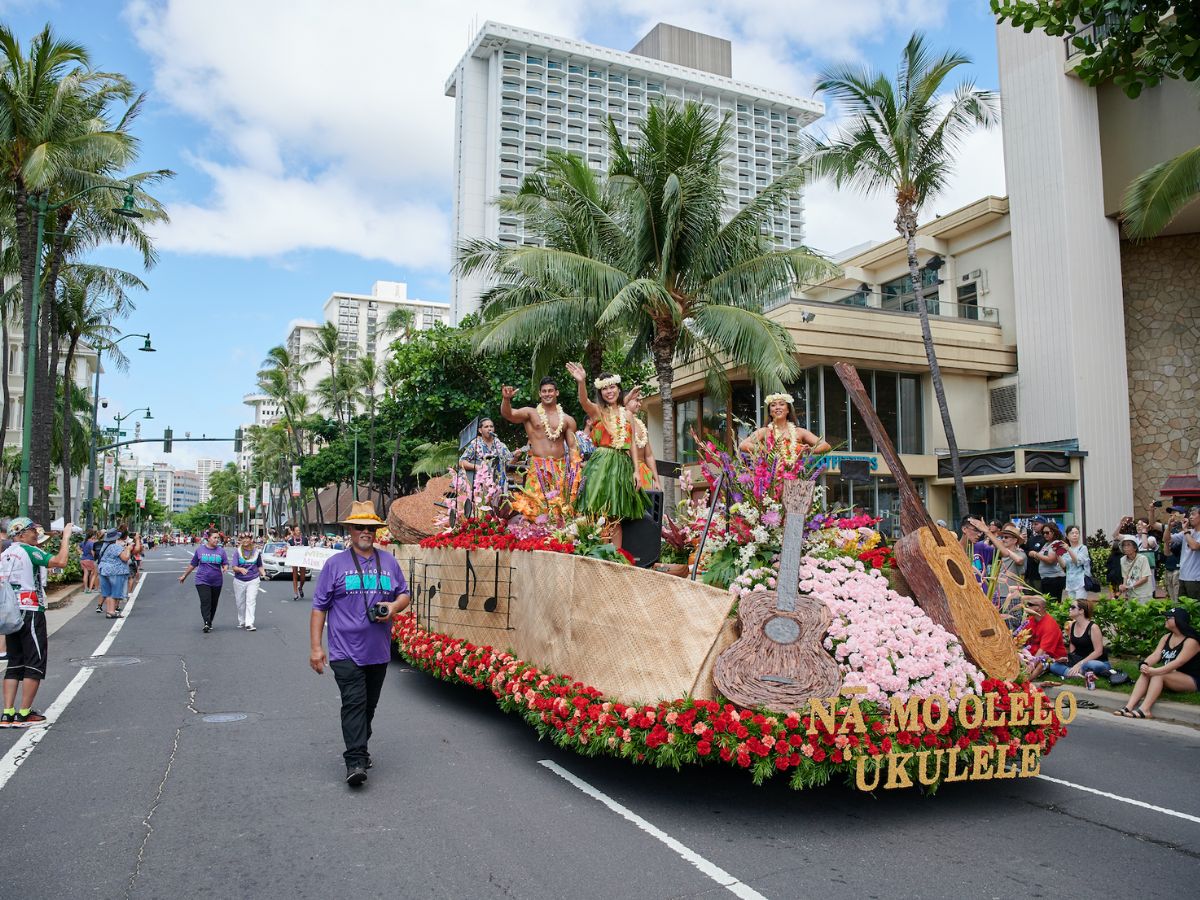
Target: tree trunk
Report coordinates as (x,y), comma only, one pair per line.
(43,410)
(374,486)
(392,481)
(4,311)
(594,356)
(663,350)
(906,224)
(67,426)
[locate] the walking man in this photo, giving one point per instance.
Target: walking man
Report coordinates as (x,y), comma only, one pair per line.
(358,592)
(24,566)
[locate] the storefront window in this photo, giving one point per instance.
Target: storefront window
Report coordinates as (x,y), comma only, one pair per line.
(912,424)
(719,415)
(836,411)
(887,404)
(687,419)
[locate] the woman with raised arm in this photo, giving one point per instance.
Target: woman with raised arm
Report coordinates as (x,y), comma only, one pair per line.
(782,432)
(611,485)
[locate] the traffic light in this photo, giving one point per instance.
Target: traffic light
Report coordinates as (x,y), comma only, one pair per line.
(237,441)
(168,435)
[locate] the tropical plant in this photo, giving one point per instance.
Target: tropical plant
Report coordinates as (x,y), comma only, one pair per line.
(1156,196)
(653,254)
(326,348)
(435,459)
(901,138)
(62,132)
(1136,43)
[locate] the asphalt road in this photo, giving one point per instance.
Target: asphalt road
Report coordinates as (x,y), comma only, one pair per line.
(131,793)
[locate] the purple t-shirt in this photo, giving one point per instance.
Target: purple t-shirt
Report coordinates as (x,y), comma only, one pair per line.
(207,562)
(345,596)
(252,564)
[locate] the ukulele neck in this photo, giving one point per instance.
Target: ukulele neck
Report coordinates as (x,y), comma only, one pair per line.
(797,500)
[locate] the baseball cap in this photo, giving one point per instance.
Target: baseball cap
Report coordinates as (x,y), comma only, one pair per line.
(19,524)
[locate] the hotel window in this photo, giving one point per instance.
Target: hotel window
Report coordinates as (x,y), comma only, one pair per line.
(575,70)
(897,294)
(554,64)
(533,60)
(687,419)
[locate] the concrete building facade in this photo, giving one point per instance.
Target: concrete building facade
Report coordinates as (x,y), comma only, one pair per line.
(519,93)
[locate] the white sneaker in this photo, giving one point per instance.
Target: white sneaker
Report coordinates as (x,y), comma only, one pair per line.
(251,628)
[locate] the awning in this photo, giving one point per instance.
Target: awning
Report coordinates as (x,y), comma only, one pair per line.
(1182,487)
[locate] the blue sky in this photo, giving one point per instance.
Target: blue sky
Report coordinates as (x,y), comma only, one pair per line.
(311,145)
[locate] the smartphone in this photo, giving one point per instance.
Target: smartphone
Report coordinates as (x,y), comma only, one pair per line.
(1157,503)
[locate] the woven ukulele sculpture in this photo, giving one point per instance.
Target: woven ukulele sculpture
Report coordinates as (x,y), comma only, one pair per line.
(933,562)
(778,662)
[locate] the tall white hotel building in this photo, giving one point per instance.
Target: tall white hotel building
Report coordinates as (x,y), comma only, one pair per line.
(518,92)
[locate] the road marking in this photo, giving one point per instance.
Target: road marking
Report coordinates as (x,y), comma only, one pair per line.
(20,751)
(1129,800)
(712,870)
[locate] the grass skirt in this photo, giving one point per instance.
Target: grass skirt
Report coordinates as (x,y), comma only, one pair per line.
(608,488)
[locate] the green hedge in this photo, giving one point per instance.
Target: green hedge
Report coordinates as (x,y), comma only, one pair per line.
(1131,629)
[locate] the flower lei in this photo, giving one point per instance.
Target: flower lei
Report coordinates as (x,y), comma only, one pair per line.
(621,432)
(787,446)
(556,433)
(641,436)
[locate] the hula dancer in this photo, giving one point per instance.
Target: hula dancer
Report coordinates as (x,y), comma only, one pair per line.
(646,464)
(782,433)
(551,434)
(611,484)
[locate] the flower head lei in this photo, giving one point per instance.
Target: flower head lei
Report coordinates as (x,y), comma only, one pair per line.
(602,383)
(786,398)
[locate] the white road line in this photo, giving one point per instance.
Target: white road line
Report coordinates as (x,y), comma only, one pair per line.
(713,871)
(1129,800)
(20,751)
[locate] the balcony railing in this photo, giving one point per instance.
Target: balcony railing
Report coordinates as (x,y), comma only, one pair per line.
(984,315)
(1097,31)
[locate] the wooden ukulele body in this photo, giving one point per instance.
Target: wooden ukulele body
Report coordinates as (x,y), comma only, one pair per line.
(778,662)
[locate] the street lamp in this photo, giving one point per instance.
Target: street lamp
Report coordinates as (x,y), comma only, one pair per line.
(145,348)
(117,468)
(41,206)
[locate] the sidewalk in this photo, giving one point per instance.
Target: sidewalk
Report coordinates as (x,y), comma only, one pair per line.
(1164,710)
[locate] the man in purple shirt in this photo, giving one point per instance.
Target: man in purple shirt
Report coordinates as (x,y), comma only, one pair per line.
(353,588)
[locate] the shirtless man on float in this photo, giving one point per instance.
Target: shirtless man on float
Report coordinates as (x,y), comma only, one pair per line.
(549,430)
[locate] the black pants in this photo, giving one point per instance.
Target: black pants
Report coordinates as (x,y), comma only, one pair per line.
(360,687)
(1054,587)
(27,648)
(209,595)
(1190,589)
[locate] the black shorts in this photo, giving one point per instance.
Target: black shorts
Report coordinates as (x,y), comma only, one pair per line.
(27,649)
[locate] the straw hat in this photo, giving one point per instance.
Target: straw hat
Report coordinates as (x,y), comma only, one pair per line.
(362,512)
(1011,530)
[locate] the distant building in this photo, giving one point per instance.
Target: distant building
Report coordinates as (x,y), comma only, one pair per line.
(204,468)
(518,93)
(185,490)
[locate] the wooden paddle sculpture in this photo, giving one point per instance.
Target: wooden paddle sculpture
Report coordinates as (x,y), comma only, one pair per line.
(778,662)
(934,563)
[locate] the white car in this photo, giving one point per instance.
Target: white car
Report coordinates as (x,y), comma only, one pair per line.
(274,556)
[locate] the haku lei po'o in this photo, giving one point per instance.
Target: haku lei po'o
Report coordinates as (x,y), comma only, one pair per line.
(556,433)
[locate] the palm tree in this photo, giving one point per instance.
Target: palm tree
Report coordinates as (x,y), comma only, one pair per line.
(663,266)
(901,138)
(58,136)
(567,205)
(369,376)
(280,378)
(326,347)
(1155,197)
(91,297)
(399,322)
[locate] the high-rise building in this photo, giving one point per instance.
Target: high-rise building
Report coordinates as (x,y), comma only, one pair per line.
(518,93)
(205,468)
(185,490)
(360,320)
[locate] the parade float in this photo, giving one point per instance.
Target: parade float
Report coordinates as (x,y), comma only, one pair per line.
(798,642)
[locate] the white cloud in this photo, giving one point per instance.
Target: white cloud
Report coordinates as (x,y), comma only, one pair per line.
(329,125)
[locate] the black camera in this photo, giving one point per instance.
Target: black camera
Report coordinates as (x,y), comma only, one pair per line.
(378,612)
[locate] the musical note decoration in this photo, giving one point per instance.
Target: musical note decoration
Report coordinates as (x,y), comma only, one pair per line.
(934,563)
(779,661)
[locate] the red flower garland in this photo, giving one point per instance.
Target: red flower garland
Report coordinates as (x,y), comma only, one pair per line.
(672,733)
(489,534)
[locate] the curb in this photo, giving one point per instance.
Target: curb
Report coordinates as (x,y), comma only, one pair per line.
(64,599)
(1164,710)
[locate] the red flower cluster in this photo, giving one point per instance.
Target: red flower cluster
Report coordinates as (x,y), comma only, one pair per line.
(489,534)
(688,731)
(878,558)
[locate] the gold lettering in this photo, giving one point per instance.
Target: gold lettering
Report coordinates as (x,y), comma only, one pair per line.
(853,713)
(904,715)
(943,712)
(1001,757)
(952,773)
(1019,712)
(860,775)
(982,754)
(923,771)
(1066,698)
(825,709)
(970,721)
(992,718)
(1041,715)
(897,775)
(1031,760)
